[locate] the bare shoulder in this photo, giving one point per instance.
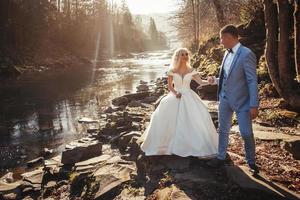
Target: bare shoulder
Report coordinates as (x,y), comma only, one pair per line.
(193,72)
(170,72)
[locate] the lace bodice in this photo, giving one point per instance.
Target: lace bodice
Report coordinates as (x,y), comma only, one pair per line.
(182,83)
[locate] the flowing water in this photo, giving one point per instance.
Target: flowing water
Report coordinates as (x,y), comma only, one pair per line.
(40,111)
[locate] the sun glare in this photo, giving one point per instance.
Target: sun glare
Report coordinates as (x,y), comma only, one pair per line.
(150,6)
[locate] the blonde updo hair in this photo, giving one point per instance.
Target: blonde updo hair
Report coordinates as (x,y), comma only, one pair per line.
(176,59)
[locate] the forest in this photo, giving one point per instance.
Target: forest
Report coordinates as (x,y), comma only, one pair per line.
(37,30)
(268,28)
(82,80)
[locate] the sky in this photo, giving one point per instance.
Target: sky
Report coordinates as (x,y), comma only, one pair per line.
(151,6)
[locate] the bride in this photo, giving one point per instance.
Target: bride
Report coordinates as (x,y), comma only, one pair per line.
(181,124)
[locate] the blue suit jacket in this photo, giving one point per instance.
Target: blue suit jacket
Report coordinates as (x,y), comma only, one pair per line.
(241,83)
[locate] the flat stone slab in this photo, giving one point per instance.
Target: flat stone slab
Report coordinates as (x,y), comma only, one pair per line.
(93,161)
(243,177)
(267,133)
(113,174)
(53,164)
(35,162)
(53,161)
(6,187)
(198,176)
(80,151)
(172,161)
(34,177)
(171,193)
(91,165)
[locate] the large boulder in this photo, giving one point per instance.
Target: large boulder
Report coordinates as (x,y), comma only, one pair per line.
(120,101)
(208,92)
(81,150)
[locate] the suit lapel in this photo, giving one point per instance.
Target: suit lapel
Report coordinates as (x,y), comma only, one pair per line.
(233,64)
(221,73)
(222,65)
(226,53)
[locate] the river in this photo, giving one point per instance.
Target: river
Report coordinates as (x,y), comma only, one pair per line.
(41,110)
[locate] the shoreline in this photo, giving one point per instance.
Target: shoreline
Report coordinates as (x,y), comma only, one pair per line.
(45,98)
(117,134)
(12,69)
(11,72)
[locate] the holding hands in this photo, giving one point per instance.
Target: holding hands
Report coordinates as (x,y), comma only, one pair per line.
(211,80)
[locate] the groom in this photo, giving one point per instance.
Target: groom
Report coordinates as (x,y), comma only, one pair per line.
(237,92)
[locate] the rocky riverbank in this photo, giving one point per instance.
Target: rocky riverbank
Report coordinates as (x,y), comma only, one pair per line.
(108,164)
(51,57)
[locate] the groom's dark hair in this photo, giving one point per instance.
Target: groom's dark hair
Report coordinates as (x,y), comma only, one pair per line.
(231,29)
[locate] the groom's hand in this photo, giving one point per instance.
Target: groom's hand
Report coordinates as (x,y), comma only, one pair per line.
(253,112)
(210,80)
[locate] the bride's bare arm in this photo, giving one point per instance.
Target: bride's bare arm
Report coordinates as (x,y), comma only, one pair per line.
(201,82)
(170,85)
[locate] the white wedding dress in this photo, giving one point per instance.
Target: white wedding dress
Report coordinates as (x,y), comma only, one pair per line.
(181,126)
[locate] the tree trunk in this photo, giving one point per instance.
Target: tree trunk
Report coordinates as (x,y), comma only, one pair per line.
(68,9)
(272,40)
(219,13)
(284,49)
(297,38)
(198,23)
(277,65)
(58,6)
(194,20)
(4,7)
(76,11)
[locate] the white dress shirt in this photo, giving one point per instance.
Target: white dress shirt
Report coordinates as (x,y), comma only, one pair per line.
(228,61)
(230,57)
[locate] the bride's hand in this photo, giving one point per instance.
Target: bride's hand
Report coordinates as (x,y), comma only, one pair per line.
(178,95)
(210,80)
